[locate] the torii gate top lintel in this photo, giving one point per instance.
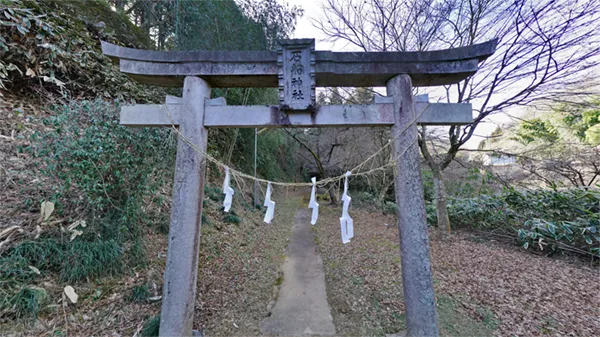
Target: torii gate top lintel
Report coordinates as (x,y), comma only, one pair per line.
(297,69)
(331,69)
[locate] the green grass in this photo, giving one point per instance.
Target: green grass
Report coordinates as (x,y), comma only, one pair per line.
(151,327)
(454,322)
(213,193)
(83,260)
(29,301)
(68,261)
(139,293)
(73,261)
(231,218)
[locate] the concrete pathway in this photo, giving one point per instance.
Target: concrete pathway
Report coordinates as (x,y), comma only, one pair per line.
(301,307)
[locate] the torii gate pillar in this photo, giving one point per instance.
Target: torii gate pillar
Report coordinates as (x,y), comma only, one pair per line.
(421,316)
(181,270)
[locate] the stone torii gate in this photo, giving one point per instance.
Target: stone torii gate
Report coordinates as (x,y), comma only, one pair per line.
(296,69)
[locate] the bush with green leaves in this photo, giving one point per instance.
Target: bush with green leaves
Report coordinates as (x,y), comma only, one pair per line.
(566,235)
(549,220)
(100,172)
(473,183)
(104,170)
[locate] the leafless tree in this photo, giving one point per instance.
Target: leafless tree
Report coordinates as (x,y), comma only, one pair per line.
(330,151)
(544,48)
(561,161)
(579,168)
(320,152)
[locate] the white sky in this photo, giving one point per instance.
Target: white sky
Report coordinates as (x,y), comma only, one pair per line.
(305,29)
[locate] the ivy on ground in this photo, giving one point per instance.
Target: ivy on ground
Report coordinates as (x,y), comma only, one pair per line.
(547,220)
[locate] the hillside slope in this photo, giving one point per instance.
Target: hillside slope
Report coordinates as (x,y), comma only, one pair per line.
(52,48)
(85,202)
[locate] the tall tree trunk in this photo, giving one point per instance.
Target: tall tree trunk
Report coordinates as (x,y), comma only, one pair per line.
(441,207)
(383,193)
(332,197)
(159,38)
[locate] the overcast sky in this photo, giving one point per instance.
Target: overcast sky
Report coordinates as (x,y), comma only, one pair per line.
(305,29)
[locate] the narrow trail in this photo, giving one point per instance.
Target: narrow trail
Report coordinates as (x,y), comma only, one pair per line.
(301,307)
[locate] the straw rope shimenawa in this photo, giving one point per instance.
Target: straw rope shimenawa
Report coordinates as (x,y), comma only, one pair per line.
(355,171)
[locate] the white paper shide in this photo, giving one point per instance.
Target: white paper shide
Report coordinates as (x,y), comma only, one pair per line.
(346,223)
(313,202)
(269,204)
(228,191)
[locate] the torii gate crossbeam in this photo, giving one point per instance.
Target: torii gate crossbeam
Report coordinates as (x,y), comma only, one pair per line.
(296,69)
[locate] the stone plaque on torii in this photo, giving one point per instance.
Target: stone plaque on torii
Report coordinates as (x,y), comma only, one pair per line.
(296,69)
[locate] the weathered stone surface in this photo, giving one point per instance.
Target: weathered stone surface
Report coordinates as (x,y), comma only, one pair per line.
(222,116)
(116,52)
(181,269)
(296,65)
(173,100)
(421,315)
(481,51)
(260,69)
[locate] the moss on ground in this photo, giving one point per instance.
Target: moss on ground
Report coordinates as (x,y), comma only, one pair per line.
(453,321)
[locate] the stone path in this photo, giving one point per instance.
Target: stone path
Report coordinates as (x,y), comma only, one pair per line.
(301,307)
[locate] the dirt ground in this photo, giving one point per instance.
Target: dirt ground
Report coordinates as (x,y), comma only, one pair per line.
(239,269)
(482,287)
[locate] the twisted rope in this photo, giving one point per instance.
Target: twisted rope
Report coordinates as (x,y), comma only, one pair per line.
(355,171)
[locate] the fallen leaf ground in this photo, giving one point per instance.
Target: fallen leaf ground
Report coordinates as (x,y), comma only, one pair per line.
(239,268)
(483,288)
(531,295)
